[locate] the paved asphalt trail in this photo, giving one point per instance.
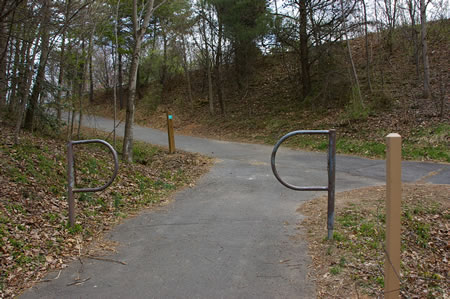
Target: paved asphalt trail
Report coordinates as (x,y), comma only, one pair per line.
(231,236)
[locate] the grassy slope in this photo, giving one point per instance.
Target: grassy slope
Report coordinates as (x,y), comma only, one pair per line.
(353,263)
(34,234)
(269,107)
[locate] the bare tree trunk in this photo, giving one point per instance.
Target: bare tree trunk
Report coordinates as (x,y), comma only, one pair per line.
(129,120)
(91,73)
(62,63)
(210,87)
(186,70)
(60,76)
(81,85)
(442,95)
(80,113)
(26,76)
(208,66)
(115,72)
(375,10)
(40,77)
(412,14)
(8,72)
(71,112)
(120,93)
(14,80)
(3,62)
(25,68)
(366,35)
(113,52)
(72,120)
(423,36)
(350,57)
(21,58)
(219,69)
(120,71)
(304,50)
(138,34)
(391,15)
(105,61)
(163,76)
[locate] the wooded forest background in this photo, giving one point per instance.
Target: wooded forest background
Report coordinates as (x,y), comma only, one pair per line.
(60,55)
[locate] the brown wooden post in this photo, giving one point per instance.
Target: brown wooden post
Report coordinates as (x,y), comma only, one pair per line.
(170,133)
(393,215)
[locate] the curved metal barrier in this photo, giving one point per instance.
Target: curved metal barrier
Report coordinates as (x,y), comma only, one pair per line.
(71,176)
(331,171)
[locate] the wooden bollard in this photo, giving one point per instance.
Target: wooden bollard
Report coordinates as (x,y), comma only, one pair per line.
(170,133)
(393,215)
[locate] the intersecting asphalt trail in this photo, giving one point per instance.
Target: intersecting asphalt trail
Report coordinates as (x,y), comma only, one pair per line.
(233,235)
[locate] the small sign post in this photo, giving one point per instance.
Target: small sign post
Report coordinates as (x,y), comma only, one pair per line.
(393,215)
(170,133)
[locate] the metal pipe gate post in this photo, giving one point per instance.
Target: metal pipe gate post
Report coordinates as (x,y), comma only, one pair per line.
(331,181)
(331,166)
(71,174)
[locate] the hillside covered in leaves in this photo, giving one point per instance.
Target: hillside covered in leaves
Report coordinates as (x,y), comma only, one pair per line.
(271,102)
(34,233)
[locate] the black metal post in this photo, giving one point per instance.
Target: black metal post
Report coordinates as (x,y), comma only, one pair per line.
(331,165)
(71,174)
(331,181)
(71,183)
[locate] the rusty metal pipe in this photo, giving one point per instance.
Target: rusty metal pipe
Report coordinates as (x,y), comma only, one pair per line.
(71,177)
(331,165)
(331,182)
(116,165)
(71,183)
